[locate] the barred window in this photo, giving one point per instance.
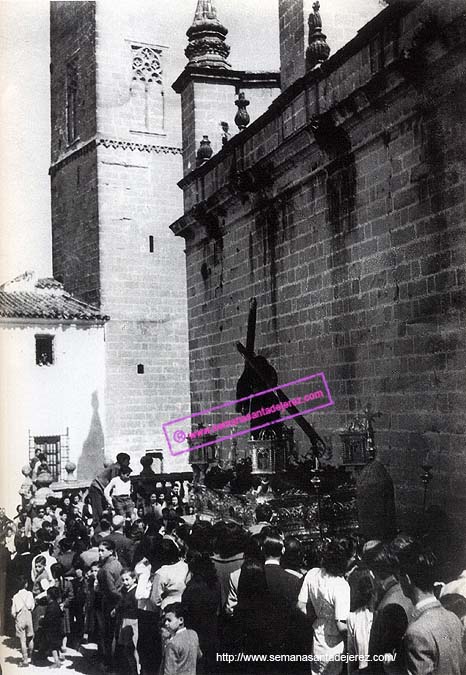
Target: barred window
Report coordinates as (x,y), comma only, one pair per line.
(56,450)
(51,448)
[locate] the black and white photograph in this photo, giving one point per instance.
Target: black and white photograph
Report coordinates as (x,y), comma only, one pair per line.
(233,337)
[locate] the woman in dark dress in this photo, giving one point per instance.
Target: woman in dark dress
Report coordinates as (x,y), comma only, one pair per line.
(257,631)
(201,599)
(149,643)
(65,599)
(52,626)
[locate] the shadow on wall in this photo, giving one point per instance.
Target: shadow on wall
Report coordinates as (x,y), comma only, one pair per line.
(92,456)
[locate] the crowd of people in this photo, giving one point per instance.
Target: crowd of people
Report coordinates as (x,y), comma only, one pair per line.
(160,596)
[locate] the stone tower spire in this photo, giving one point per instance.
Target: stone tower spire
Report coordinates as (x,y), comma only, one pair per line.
(207,38)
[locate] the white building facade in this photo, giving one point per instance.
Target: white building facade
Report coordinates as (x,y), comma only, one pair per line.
(51,382)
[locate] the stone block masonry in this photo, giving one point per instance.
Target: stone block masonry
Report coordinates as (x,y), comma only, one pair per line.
(73,39)
(75,235)
(342,211)
(144,292)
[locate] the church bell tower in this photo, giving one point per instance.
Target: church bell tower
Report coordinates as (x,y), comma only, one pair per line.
(115,162)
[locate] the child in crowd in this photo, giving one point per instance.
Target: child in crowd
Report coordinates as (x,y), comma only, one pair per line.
(39,590)
(43,549)
(21,610)
(182,650)
(38,519)
(61,517)
(77,606)
(165,636)
(360,619)
(52,626)
(93,619)
(48,515)
(127,620)
(65,599)
(27,486)
(9,540)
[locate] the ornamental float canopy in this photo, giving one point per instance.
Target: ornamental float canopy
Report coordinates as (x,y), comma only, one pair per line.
(358,439)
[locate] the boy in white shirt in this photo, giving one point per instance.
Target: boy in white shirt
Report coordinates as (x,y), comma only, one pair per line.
(21,610)
(118,493)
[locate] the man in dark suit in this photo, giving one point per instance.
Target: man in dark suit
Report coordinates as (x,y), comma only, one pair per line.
(283,587)
(299,636)
(124,546)
(109,580)
(392,614)
(432,642)
(273,548)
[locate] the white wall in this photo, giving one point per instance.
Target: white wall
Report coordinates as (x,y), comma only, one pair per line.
(49,399)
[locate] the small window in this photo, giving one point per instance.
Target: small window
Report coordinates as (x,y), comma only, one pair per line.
(151,244)
(140,369)
(44,350)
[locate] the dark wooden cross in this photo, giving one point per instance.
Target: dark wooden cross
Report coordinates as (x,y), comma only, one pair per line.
(259,375)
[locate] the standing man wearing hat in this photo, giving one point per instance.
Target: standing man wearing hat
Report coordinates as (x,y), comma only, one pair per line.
(100,482)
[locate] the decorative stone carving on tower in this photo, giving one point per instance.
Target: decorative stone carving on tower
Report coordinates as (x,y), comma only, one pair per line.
(204,151)
(318,50)
(206,35)
(242,118)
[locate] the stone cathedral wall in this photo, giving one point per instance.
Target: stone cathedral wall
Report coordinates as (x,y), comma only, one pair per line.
(342,210)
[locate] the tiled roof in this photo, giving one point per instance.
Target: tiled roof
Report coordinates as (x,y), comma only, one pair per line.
(28,297)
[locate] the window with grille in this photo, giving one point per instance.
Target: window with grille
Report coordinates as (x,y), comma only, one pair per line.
(44,350)
(146,91)
(56,450)
(51,448)
(72,131)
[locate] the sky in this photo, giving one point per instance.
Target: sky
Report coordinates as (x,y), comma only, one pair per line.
(25,242)
(25,230)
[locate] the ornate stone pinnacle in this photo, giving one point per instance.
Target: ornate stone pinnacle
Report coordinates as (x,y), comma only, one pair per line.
(204,151)
(207,38)
(318,49)
(242,118)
